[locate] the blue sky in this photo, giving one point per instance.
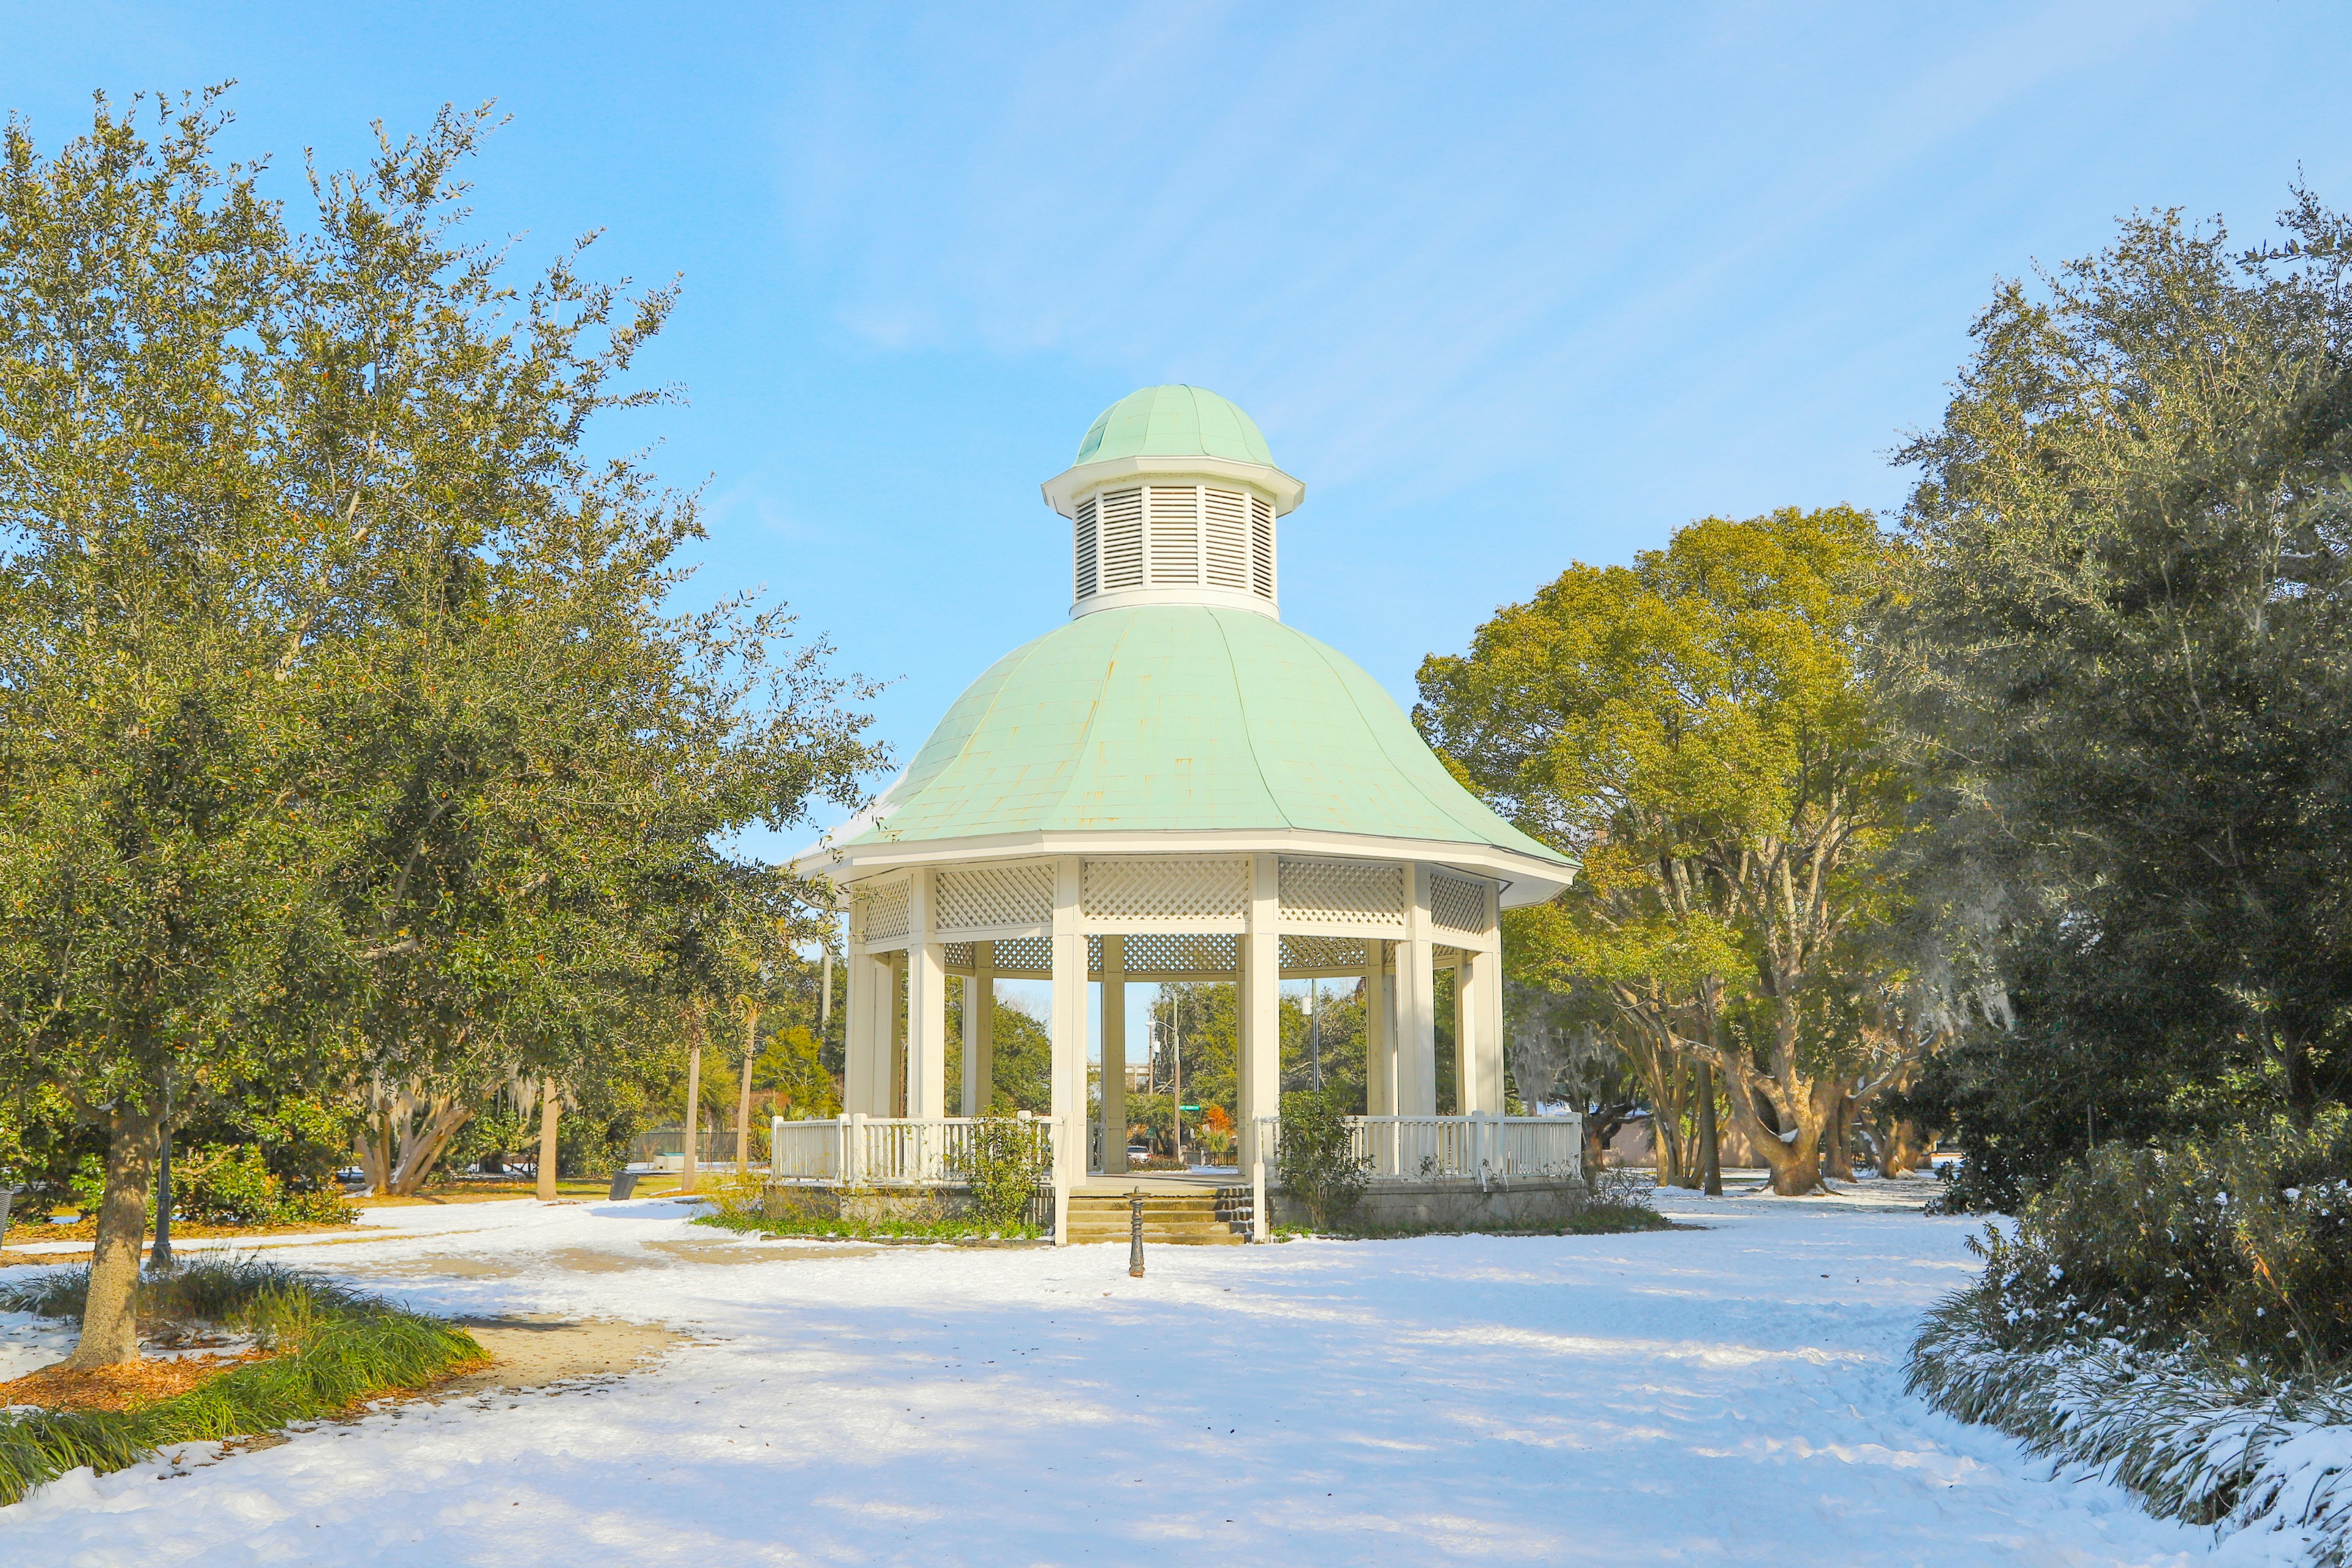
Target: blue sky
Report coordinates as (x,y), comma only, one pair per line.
(1506,287)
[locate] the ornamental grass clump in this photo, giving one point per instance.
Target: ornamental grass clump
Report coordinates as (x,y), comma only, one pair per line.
(2178,1318)
(332,1348)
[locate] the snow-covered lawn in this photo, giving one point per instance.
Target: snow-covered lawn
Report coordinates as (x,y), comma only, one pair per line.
(1733,1394)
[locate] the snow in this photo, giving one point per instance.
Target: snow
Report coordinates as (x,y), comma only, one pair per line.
(1730,1394)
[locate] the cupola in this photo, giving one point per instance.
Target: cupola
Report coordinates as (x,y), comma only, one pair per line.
(1173,500)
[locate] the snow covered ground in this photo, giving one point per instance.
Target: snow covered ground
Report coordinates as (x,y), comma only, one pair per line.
(1732,1394)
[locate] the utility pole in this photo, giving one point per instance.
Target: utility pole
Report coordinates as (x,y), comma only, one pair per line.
(1315,1028)
(1176,1071)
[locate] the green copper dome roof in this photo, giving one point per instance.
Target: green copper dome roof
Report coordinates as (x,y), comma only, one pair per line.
(1175,717)
(1173,422)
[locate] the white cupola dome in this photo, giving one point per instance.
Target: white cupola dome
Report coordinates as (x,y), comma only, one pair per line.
(1173,500)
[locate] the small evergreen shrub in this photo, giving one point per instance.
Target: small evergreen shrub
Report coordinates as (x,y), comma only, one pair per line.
(232,1185)
(2178,1318)
(1318,1163)
(1006,1162)
(2240,1244)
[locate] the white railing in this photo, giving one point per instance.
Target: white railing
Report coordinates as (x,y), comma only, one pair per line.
(1441,1148)
(884,1151)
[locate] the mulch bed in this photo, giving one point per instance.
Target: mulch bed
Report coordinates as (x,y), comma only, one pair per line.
(23,1231)
(121,1387)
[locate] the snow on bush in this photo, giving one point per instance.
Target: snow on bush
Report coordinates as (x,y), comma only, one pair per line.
(2198,1439)
(2178,1318)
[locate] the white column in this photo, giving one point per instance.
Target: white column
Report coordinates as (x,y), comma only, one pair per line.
(1417,1007)
(1465,1071)
(980,1031)
(967,1092)
(1380,1035)
(1069,1040)
(1481,982)
(927,1003)
(1114,1055)
(1261,1005)
(893,1041)
(858,1060)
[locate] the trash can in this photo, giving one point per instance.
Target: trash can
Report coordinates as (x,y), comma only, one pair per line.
(624,1181)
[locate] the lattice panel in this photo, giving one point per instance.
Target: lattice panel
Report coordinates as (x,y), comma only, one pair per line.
(1340,891)
(1165,889)
(1457,905)
(982,896)
(1025,952)
(1196,952)
(956,954)
(1323,952)
(886,912)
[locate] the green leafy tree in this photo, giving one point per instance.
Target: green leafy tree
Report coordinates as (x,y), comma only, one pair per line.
(170,790)
(1699,730)
(2130,629)
(348,740)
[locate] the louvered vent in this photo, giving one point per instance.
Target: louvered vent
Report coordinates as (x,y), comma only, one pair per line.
(1227,513)
(1085,549)
(1261,547)
(1175,516)
(1122,540)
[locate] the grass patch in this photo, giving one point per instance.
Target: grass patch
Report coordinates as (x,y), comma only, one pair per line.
(812,1227)
(332,1348)
(1601,1220)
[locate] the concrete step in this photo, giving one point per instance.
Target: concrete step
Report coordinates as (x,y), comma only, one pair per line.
(1221,1237)
(1169,1219)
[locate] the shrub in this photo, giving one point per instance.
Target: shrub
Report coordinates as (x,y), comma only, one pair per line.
(1006,1159)
(224,1186)
(2241,1245)
(1320,1166)
(232,1185)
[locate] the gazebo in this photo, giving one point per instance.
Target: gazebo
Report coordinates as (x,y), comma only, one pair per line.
(1174,785)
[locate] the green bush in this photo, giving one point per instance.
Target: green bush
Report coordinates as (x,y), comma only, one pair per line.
(2241,1245)
(1318,1165)
(1006,1160)
(233,1185)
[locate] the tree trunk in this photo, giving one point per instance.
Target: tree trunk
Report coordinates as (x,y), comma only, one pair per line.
(110,1322)
(550,1108)
(1837,1140)
(1710,1142)
(693,1101)
(1902,1147)
(1795,1161)
(743,1101)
